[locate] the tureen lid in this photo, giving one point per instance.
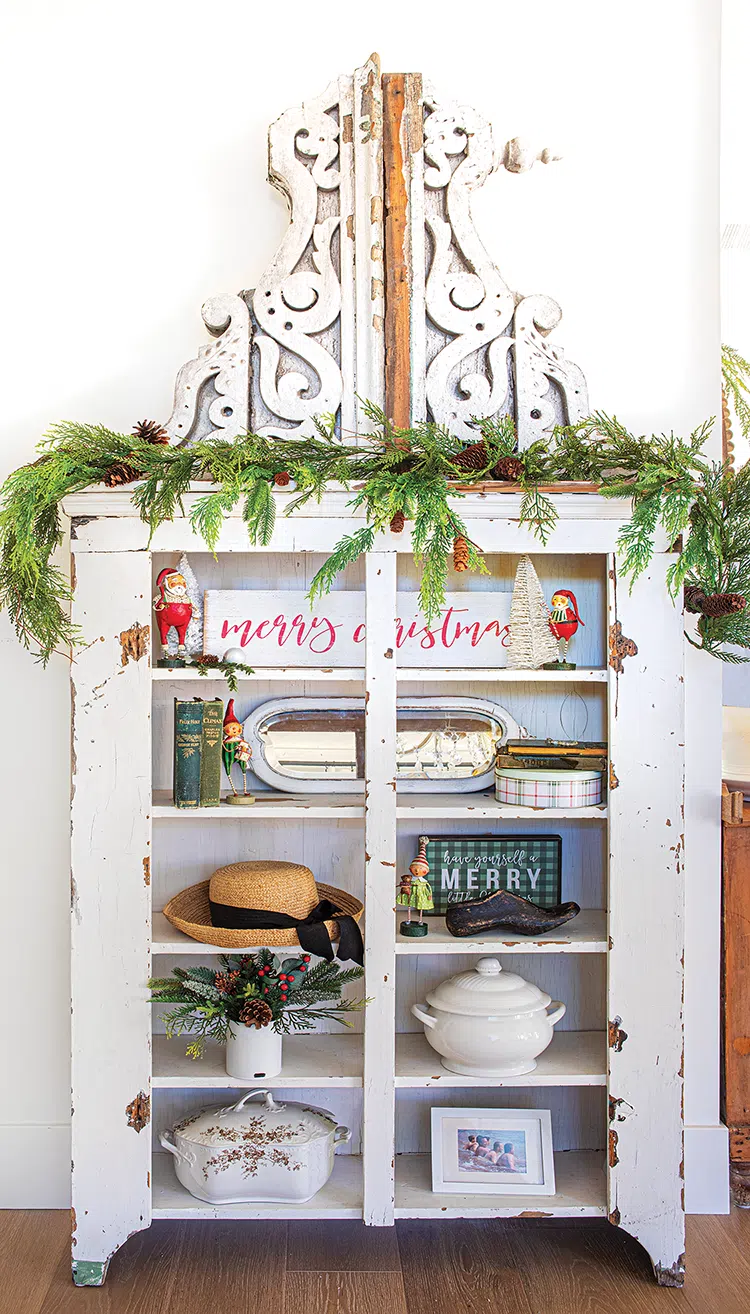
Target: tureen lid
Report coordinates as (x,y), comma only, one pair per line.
(486,991)
(267,1123)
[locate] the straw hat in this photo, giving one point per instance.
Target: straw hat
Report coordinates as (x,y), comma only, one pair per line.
(218,911)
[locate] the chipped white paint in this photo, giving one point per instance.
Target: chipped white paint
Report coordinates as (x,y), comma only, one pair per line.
(646,718)
(378,1113)
(111,901)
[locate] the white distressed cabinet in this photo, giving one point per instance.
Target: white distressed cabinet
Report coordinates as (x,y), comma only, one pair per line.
(381,290)
(613,1074)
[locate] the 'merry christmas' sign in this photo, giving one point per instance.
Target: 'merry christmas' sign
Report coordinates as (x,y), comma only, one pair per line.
(279,628)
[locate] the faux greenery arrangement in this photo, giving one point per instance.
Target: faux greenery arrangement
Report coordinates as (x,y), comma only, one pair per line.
(254,990)
(395,475)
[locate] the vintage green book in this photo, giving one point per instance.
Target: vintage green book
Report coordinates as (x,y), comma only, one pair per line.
(188,733)
(213,721)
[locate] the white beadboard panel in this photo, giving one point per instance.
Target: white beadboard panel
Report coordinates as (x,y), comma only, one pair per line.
(341,1197)
(584,575)
(584,852)
(580,1182)
(578,980)
(188,852)
(171,1106)
(578,1112)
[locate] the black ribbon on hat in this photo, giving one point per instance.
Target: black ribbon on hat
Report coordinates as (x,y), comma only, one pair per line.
(312,931)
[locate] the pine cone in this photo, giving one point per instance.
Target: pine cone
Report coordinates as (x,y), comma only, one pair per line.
(509,468)
(120,473)
(282,479)
(149,431)
(714,605)
(460,554)
(471,458)
(256,1013)
(206,659)
(398,520)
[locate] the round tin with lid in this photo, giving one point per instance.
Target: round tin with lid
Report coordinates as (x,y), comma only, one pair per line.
(488,1022)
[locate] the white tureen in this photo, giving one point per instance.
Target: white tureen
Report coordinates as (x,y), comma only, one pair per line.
(269,1153)
(487,1022)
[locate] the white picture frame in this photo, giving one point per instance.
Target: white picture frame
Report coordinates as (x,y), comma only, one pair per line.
(527,1169)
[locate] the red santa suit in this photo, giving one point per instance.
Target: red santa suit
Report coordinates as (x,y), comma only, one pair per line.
(172,606)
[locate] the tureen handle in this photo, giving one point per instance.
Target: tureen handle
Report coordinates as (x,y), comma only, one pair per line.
(341,1136)
(270,1103)
(418,1011)
(558,1011)
(164,1139)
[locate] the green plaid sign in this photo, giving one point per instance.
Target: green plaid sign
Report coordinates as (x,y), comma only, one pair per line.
(467,867)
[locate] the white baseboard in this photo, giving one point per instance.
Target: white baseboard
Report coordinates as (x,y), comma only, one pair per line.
(707,1170)
(36,1166)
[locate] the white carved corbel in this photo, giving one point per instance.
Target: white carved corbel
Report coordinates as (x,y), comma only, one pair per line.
(212,391)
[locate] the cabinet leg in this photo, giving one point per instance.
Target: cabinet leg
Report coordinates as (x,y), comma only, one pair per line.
(672,1276)
(90,1273)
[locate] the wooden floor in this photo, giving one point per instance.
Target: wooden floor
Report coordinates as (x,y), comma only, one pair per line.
(344,1268)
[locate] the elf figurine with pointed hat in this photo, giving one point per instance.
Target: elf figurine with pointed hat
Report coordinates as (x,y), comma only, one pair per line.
(173,608)
(563,622)
(235,751)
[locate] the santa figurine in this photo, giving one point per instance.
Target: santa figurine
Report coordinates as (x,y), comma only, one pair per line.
(235,750)
(173,609)
(563,622)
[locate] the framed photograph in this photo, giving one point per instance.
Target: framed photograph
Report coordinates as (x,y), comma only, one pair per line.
(492,1152)
(468,867)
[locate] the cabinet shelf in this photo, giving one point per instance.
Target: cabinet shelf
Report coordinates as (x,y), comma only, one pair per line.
(341,1197)
(263,673)
(575,1058)
(580,1177)
(501,675)
(482,806)
(309,1061)
(585,934)
(267,805)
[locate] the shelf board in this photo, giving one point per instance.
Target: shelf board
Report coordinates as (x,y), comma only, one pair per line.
(287,673)
(484,806)
(575,1058)
(166,939)
(501,675)
(341,1197)
(310,1060)
(580,1177)
(585,934)
(476,806)
(340,807)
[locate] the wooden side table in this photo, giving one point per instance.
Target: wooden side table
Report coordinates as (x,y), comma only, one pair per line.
(736,996)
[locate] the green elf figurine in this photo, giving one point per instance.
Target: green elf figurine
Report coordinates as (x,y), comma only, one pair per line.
(415,891)
(235,750)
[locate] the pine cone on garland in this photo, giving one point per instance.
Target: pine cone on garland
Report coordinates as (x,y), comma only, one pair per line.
(122,472)
(460,554)
(472,458)
(713,605)
(398,520)
(509,468)
(282,479)
(256,1013)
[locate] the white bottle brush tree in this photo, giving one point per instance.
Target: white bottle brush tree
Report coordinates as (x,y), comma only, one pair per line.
(532,642)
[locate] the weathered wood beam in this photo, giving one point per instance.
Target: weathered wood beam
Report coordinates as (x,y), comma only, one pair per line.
(402,138)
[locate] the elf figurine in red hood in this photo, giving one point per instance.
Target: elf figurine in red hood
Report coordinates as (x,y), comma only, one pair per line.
(563,622)
(235,750)
(173,608)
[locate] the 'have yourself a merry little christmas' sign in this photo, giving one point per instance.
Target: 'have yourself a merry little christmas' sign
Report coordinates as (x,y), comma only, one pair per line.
(281,629)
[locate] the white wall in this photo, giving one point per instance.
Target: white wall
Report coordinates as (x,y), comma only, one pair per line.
(135,160)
